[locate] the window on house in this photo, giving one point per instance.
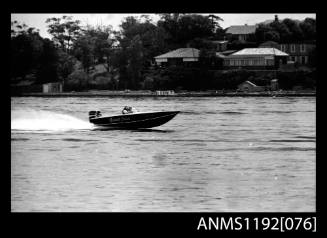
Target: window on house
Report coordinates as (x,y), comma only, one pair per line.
(282,47)
(303,60)
(292,48)
(260,62)
(306,59)
(302,48)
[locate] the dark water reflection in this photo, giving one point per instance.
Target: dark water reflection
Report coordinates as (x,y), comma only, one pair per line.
(218,154)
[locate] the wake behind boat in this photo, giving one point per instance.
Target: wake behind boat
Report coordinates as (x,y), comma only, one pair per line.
(132,120)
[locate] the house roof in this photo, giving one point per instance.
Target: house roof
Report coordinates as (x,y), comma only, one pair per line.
(220,55)
(241,29)
(248,82)
(228,52)
(259,51)
(181,53)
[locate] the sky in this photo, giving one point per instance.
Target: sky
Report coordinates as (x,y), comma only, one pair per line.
(38,20)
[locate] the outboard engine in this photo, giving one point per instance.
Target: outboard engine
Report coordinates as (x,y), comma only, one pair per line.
(94,114)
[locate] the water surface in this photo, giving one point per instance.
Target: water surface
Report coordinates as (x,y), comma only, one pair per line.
(224,154)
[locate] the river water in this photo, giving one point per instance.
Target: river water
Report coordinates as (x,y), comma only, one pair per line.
(220,154)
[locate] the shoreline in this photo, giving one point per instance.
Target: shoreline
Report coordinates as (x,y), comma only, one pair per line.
(178,94)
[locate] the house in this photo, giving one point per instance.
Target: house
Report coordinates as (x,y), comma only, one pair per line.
(55,87)
(298,52)
(241,32)
(189,57)
(256,58)
(181,56)
(248,86)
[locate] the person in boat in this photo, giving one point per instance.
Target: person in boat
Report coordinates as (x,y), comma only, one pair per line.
(128,110)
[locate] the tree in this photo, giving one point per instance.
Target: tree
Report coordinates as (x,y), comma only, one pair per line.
(287,31)
(134,62)
(194,26)
(84,51)
(118,61)
(208,58)
(140,40)
(39,57)
(308,27)
(103,43)
(260,32)
(64,31)
(26,49)
(186,27)
(215,22)
(47,71)
(283,31)
(21,28)
(272,36)
(200,43)
(295,29)
(66,64)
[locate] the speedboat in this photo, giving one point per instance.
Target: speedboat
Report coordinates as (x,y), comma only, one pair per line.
(132,120)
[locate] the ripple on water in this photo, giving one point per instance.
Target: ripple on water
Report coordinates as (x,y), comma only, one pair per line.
(19,139)
(78,140)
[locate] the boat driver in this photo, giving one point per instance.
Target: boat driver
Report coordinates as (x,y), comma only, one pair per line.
(127,110)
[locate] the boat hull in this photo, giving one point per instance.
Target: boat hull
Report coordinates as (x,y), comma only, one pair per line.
(135,120)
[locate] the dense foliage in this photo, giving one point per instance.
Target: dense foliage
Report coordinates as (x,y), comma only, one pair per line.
(85,57)
(287,31)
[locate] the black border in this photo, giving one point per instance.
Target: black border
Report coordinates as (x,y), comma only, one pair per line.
(153,223)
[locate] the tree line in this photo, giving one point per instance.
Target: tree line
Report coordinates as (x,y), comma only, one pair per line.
(287,31)
(125,53)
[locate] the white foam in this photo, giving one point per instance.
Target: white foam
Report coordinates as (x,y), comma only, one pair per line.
(36,120)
